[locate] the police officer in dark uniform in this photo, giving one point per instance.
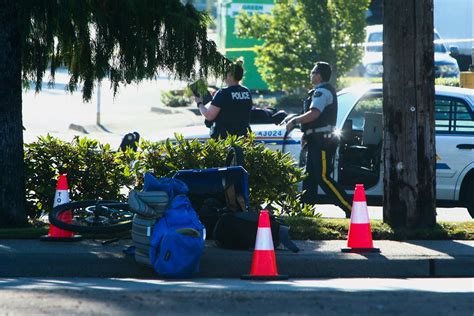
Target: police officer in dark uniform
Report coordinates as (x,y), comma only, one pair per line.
(317,123)
(230,108)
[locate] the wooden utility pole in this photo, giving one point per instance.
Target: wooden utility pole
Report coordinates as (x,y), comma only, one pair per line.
(12,168)
(408,95)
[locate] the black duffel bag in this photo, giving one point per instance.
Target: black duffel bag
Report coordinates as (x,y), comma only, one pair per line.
(238,230)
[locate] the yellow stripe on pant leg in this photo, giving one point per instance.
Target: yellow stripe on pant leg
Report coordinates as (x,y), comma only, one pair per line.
(329,184)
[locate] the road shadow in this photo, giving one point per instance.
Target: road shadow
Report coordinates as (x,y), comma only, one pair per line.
(102,127)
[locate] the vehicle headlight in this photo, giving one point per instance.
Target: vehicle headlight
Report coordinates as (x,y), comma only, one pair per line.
(445,69)
(374,69)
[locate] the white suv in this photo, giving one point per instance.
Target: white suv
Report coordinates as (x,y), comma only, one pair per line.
(372,66)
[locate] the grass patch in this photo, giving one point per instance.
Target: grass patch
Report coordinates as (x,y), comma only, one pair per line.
(304,228)
(23,233)
(34,232)
(310,228)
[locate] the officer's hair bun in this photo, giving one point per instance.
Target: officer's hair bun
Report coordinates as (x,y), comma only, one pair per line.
(239,61)
(237,69)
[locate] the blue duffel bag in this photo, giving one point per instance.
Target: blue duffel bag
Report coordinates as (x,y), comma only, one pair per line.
(178,237)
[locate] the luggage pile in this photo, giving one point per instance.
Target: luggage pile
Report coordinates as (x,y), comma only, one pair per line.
(175,215)
(166,231)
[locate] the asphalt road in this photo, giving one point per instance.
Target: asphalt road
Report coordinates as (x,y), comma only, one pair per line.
(236,297)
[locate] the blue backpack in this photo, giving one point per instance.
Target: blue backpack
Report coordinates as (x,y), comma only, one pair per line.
(178,237)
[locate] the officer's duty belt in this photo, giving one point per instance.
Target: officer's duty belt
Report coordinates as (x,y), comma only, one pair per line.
(320,131)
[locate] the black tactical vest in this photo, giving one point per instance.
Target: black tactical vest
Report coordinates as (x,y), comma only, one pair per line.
(328,116)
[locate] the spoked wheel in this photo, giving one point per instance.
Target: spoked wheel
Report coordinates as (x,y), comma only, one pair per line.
(92,216)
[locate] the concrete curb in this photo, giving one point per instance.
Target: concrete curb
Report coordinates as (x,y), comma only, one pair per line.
(235,263)
(321,259)
(78,128)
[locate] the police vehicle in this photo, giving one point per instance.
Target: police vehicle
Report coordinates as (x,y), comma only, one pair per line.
(359,156)
(267,125)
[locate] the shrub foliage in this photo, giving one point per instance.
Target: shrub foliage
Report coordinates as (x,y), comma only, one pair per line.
(95,171)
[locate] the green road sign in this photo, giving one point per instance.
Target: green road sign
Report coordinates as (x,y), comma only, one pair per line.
(233,46)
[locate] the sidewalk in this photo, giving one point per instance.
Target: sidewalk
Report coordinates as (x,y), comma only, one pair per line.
(317,259)
(135,108)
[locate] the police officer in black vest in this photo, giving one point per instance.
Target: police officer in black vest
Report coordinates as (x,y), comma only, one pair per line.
(230,108)
(317,123)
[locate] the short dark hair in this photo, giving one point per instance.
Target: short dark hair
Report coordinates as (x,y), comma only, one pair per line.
(324,70)
(237,70)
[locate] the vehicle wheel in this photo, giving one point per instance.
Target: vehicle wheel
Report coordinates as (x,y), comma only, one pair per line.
(235,156)
(92,217)
(469,197)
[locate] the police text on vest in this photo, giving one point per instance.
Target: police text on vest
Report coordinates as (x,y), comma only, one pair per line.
(240,95)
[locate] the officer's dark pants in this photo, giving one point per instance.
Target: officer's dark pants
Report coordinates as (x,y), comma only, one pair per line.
(318,168)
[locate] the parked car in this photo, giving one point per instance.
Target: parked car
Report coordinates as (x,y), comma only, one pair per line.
(372,61)
(359,156)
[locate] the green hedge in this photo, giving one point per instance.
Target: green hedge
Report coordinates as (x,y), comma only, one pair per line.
(453,82)
(95,171)
(175,99)
(294,102)
(345,82)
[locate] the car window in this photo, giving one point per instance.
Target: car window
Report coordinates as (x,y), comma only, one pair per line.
(346,102)
(371,103)
(453,116)
(375,41)
(375,37)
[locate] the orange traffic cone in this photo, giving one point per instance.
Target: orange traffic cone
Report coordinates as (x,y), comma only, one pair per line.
(61,197)
(264,262)
(360,234)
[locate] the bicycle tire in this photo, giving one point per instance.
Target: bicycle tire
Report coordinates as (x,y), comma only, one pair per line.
(94,223)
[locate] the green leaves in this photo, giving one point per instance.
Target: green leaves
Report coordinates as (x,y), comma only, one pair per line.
(94,171)
(299,33)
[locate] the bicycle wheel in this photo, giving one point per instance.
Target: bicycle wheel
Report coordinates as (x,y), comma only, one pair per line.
(92,216)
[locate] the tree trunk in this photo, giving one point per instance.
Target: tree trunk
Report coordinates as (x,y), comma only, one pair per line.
(409,139)
(12,179)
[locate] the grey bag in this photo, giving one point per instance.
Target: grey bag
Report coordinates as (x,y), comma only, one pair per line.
(149,208)
(142,230)
(148,204)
